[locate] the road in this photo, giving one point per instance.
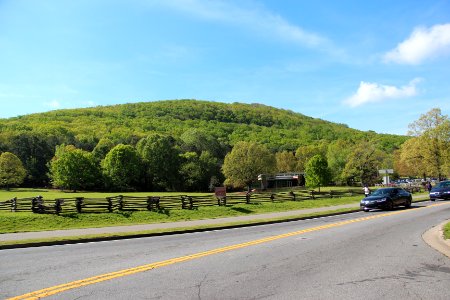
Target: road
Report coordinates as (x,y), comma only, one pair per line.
(375,255)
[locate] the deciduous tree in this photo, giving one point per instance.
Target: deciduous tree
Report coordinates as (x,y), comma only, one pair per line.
(317,173)
(162,161)
(245,162)
(122,168)
(12,172)
(74,169)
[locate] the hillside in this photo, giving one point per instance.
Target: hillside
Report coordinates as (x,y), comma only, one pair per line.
(126,123)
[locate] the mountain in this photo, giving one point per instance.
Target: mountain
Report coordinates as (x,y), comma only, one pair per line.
(278,129)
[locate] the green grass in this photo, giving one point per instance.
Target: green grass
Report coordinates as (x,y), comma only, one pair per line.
(447,231)
(159,231)
(28,221)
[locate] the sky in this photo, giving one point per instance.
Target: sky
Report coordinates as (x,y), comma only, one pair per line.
(373,65)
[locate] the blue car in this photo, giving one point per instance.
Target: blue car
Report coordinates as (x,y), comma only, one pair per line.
(440,191)
(386,198)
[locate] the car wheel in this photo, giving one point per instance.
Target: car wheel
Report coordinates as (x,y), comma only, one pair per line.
(408,203)
(390,205)
(432,199)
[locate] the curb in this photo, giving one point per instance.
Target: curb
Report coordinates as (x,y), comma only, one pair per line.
(142,235)
(434,237)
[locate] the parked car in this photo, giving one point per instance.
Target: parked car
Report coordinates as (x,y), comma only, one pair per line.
(440,191)
(386,198)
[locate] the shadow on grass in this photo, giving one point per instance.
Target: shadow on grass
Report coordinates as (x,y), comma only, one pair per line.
(242,210)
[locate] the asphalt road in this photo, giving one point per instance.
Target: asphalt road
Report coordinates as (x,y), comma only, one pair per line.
(375,255)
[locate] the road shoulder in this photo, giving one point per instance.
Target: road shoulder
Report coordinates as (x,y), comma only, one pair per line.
(434,237)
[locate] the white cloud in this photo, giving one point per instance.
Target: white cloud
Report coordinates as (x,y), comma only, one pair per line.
(423,44)
(53,104)
(373,92)
(254,17)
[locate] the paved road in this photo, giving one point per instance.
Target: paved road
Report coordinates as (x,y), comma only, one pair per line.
(374,255)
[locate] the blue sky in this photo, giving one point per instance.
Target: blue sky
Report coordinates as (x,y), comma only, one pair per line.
(373,66)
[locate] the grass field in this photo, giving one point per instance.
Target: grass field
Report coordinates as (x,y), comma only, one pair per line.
(28,221)
(447,231)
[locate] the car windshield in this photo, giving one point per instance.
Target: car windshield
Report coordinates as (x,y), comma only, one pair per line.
(382,192)
(443,184)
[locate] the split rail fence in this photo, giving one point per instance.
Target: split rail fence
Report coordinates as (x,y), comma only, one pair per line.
(157,203)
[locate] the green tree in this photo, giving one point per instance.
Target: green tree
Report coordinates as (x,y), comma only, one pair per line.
(363,164)
(431,134)
(122,168)
(197,171)
(337,156)
(286,162)
(34,150)
(317,173)
(162,161)
(196,140)
(305,153)
(74,169)
(12,172)
(245,162)
(102,148)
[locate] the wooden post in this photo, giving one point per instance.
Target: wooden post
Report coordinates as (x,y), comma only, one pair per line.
(191,203)
(78,203)
(58,208)
(247,198)
(120,202)
(14,204)
(110,205)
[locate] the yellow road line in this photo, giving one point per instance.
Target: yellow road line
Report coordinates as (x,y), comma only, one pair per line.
(108,276)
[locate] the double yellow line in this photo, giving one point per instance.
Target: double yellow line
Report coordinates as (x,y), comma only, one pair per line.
(108,276)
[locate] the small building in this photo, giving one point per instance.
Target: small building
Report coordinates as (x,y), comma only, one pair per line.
(280,180)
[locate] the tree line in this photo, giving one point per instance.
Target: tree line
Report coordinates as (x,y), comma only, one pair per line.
(196,159)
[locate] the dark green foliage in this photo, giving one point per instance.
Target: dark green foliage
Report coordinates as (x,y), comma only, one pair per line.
(190,126)
(12,172)
(245,162)
(198,172)
(122,168)
(161,162)
(74,169)
(317,173)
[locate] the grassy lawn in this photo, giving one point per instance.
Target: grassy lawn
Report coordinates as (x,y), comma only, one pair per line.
(447,231)
(28,221)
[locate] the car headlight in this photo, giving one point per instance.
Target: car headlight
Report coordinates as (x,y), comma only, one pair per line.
(382,199)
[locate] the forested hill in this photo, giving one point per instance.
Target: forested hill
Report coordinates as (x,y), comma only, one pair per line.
(278,129)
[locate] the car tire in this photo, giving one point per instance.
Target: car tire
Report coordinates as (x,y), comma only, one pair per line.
(408,203)
(390,205)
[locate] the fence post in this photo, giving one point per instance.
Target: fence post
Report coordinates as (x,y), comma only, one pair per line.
(78,203)
(58,207)
(120,202)
(272,197)
(149,203)
(292,194)
(247,198)
(34,204)
(183,202)
(191,203)
(155,201)
(312,195)
(110,205)
(14,204)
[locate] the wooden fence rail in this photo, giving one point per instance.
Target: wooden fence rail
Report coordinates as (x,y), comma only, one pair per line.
(157,203)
